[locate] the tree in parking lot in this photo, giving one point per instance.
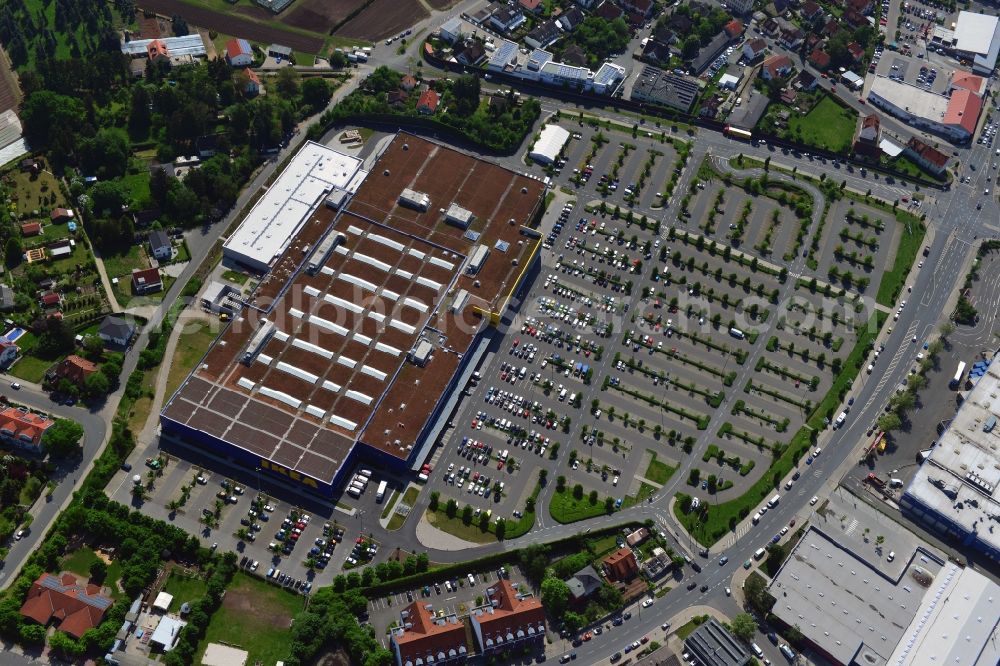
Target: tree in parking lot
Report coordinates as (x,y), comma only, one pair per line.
(484,521)
(578,491)
(467,515)
(743,626)
(560,483)
(501,528)
(433,504)
(593,497)
(451,508)
(609,504)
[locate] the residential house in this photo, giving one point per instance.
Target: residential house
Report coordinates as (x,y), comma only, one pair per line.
(805,81)
(73,368)
(656,51)
(740,7)
(471,54)
(428,102)
(115,330)
(144,218)
(396,97)
(792,38)
(50,299)
(570,19)
(22,428)
(509,620)
(239,53)
(754,49)
(543,35)
(587,4)
(636,537)
(621,565)
(424,638)
(584,583)
(8,353)
(59,215)
(250,82)
(810,11)
(533,6)
(207,145)
(574,55)
(788,96)
(860,6)
(453,30)
(31,229)
(146,281)
(775,67)
(856,50)
(280,51)
(926,156)
(867,140)
(7,298)
(642,7)
(855,19)
(77,608)
(159,245)
(507,19)
(609,11)
(407,83)
(813,41)
(831,28)
(28,165)
(770,28)
(734,29)
(819,59)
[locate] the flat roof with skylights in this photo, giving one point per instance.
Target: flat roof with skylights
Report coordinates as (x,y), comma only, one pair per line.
(323,360)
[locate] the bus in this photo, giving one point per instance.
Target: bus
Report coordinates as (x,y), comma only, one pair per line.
(738,133)
(956,381)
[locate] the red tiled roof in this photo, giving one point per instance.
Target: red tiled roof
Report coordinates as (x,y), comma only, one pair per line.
(235,48)
(31,229)
(59,213)
(963,110)
(252,75)
(427,635)
(75,369)
(408,82)
(429,100)
(820,58)
(156,48)
(530,5)
(856,50)
(757,45)
(734,28)
(927,153)
(77,607)
(510,613)
(146,277)
(967,81)
(776,63)
(50,298)
(23,426)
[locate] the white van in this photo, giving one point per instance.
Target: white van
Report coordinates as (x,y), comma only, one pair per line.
(895,483)
(572,397)
(773,502)
(756,650)
(840,420)
(759,553)
(562,395)
(756,518)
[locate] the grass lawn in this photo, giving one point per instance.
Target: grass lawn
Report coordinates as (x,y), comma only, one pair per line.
(30,368)
(909,245)
(191,346)
(828,125)
(121,265)
(658,472)
(567,509)
(687,629)
(35,192)
(139,413)
(409,497)
(236,278)
(79,562)
(138,187)
(456,527)
(30,491)
(184,589)
(79,256)
(255,616)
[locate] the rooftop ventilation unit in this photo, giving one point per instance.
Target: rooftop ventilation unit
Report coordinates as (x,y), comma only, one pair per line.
(258,341)
(458,216)
(323,250)
(416,200)
(477,259)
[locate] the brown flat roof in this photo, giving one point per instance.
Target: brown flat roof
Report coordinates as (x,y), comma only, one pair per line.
(335,370)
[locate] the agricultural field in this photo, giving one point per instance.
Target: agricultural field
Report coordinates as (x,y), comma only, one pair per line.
(383,18)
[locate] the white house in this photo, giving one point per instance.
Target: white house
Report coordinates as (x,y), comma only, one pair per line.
(239,53)
(451,31)
(116,331)
(8,352)
(159,244)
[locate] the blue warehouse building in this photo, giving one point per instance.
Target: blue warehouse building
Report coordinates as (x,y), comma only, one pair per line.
(380,295)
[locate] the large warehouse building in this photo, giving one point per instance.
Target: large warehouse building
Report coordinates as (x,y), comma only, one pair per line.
(955,491)
(913,610)
(953,118)
(977,38)
(376,309)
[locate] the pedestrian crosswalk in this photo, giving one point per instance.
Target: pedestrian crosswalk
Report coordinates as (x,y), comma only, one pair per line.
(853,525)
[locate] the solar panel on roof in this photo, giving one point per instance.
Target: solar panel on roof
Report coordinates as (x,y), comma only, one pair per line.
(471,236)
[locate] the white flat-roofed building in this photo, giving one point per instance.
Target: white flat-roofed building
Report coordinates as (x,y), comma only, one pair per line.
(977,36)
(277,217)
(607,78)
(549,144)
(955,490)
(504,56)
(561,74)
(920,108)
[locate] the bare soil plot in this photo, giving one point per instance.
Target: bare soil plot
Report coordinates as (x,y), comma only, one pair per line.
(320,14)
(10,92)
(383,18)
(233,24)
(441,4)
